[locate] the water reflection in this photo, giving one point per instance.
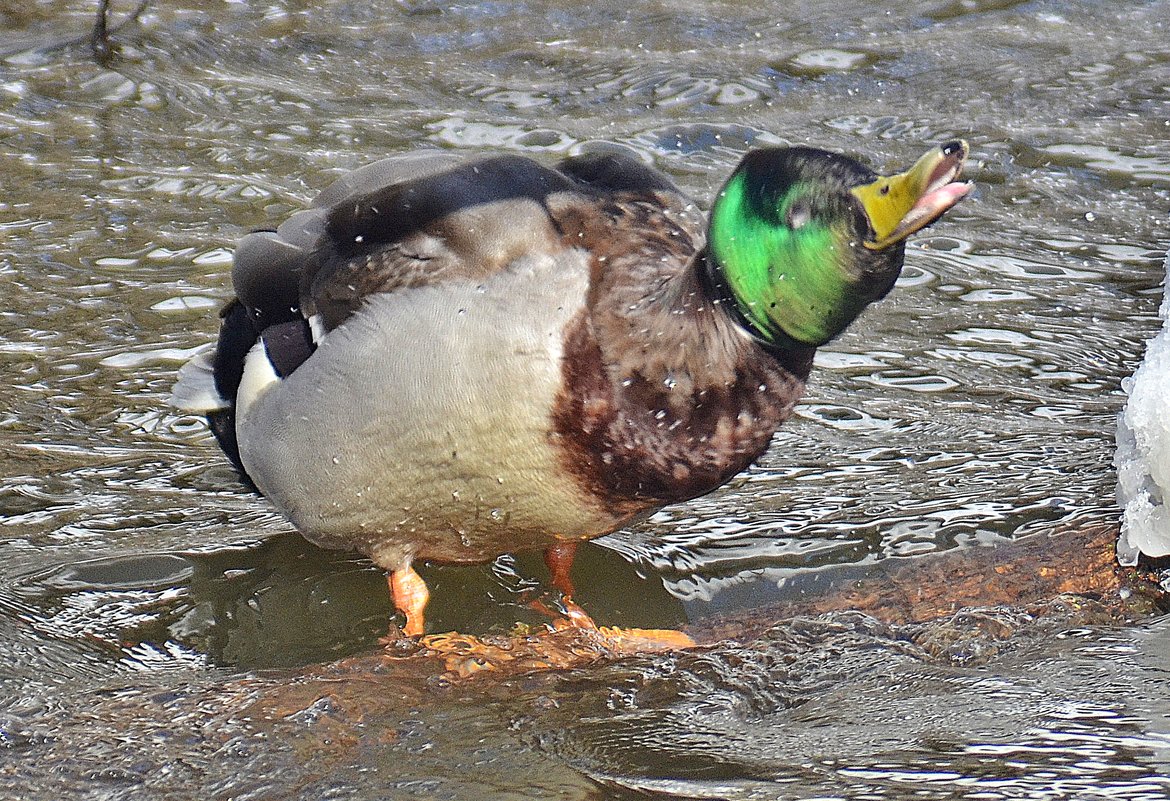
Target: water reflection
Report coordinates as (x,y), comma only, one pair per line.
(284,603)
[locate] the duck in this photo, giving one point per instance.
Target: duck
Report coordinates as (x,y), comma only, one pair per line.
(451,357)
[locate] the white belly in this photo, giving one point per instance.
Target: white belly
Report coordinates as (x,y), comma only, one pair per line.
(421,426)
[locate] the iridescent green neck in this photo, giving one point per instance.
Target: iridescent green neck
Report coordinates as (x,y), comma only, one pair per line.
(789,284)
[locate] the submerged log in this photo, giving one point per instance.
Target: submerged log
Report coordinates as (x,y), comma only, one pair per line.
(1067,563)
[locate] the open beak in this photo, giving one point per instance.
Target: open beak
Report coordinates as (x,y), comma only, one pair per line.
(898,205)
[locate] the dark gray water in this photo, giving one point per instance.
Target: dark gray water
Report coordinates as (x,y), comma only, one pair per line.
(141,589)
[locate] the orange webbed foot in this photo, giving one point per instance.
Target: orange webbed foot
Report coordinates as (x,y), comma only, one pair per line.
(559,559)
(571,637)
(410,597)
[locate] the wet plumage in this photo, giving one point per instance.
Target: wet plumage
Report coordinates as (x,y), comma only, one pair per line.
(452,359)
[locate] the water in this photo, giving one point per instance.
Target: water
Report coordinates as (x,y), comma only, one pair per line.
(146,600)
(847,709)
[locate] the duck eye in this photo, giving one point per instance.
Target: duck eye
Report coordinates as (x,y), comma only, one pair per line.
(799,214)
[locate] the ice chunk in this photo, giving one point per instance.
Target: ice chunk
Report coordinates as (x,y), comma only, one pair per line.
(1143,450)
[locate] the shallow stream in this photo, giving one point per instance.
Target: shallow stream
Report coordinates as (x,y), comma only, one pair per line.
(147,600)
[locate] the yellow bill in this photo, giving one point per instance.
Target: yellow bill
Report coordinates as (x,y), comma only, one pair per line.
(898,205)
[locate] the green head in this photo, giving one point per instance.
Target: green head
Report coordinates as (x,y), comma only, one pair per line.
(802,240)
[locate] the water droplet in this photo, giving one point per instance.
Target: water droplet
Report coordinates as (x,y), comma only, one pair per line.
(336,460)
(496,514)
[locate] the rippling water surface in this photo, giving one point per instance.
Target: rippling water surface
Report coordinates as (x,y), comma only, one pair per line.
(974,406)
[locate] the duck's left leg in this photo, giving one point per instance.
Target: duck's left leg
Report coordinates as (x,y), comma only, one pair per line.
(559,559)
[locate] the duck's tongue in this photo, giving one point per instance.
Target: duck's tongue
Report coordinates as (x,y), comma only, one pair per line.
(898,205)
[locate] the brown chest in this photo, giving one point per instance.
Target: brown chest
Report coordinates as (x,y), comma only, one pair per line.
(639,441)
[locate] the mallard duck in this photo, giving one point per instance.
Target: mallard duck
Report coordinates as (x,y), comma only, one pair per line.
(450,359)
